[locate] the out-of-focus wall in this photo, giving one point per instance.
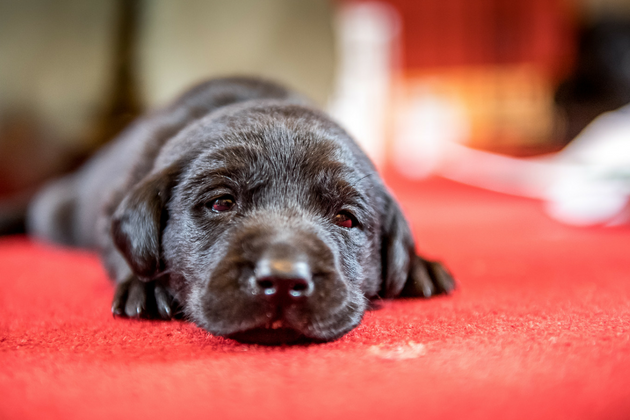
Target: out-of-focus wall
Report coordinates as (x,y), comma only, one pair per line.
(54,72)
(186,41)
(54,61)
(68,68)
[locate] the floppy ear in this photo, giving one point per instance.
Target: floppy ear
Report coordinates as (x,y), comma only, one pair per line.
(138,221)
(404,272)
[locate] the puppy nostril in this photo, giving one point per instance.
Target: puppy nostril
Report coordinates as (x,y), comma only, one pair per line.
(275,287)
(267,286)
(299,287)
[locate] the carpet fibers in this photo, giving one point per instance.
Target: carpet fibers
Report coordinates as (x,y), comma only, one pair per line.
(539,328)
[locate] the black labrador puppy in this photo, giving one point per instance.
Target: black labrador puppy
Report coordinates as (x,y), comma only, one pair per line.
(253,214)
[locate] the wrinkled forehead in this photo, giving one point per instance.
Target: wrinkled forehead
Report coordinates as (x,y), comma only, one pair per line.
(277,155)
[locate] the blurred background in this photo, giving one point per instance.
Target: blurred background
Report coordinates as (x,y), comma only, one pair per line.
(486,92)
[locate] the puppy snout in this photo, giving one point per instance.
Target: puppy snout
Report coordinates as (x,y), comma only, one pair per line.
(283,279)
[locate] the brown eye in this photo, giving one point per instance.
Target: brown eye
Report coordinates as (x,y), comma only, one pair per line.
(223,203)
(345,219)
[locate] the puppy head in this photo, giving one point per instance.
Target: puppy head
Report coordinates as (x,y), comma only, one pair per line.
(270,224)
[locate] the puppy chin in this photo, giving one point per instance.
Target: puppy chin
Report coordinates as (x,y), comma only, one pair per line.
(289,327)
(276,333)
(279,334)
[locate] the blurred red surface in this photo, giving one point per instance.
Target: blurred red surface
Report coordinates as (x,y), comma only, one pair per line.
(539,328)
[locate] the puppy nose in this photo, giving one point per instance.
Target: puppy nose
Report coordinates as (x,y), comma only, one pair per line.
(279,278)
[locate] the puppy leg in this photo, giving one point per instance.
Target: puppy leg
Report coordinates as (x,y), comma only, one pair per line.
(138,299)
(427,278)
(135,298)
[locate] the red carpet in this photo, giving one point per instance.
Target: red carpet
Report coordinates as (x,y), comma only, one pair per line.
(539,329)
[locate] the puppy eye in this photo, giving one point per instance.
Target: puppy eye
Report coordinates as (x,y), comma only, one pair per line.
(345,219)
(221,204)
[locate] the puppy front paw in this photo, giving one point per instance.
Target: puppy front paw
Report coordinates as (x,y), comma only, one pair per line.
(138,299)
(428,278)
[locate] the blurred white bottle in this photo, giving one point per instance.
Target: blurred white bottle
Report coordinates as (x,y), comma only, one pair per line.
(367,33)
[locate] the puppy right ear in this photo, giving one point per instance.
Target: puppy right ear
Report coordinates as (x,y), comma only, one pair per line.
(138,221)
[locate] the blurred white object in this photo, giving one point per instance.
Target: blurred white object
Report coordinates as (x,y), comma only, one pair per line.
(595,186)
(366,34)
(422,130)
(587,183)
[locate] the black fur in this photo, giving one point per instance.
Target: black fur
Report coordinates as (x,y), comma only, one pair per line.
(147,203)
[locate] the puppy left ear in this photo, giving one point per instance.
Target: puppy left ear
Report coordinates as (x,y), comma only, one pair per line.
(138,221)
(404,272)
